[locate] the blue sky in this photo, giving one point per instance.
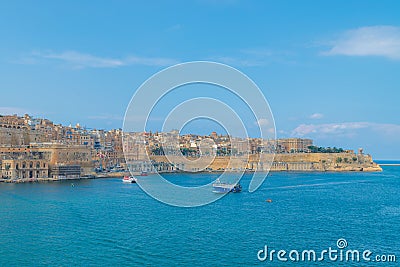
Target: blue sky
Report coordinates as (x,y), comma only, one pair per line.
(329,69)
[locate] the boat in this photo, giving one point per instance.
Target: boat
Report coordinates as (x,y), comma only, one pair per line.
(129,179)
(219,187)
(143,173)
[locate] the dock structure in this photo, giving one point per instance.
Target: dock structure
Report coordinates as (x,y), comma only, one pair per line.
(43,180)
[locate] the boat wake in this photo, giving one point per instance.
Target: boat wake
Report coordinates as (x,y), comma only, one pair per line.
(319,184)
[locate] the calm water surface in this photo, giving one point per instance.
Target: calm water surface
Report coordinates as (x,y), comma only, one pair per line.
(105,222)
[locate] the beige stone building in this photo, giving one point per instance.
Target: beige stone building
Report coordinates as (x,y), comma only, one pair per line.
(59,159)
(24,168)
(64,155)
(293,145)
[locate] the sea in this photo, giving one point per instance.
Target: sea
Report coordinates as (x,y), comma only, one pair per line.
(104,222)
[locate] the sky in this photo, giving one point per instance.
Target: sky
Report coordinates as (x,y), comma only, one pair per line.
(329,69)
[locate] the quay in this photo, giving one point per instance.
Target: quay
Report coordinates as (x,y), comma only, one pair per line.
(42,180)
(49,179)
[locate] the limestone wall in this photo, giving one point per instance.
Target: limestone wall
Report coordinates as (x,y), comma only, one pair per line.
(282,162)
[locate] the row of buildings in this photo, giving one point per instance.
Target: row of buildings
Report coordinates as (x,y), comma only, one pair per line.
(33,148)
(37,148)
(44,160)
(221,145)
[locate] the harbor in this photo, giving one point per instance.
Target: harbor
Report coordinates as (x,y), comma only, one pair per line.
(108,217)
(38,150)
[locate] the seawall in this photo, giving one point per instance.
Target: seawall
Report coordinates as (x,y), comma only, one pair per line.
(336,162)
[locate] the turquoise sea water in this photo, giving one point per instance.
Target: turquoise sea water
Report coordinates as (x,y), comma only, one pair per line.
(107,223)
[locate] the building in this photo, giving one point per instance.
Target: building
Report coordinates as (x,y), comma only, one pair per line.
(66,155)
(66,171)
(24,168)
(293,145)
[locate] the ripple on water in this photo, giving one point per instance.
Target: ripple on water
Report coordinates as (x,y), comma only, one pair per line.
(105,222)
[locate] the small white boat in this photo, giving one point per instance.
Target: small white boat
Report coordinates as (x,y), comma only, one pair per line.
(129,179)
(222,188)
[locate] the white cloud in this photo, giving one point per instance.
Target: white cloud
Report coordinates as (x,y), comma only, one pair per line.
(316,116)
(255,57)
(174,28)
(106,117)
(345,128)
(368,41)
(260,52)
(238,61)
(262,122)
(82,60)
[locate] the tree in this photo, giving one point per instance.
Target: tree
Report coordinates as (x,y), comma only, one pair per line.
(315,149)
(339,160)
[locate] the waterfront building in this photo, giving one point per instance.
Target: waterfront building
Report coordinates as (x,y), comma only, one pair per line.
(61,171)
(24,168)
(64,155)
(65,147)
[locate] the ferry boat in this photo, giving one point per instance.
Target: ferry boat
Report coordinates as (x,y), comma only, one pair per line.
(129,179)
(222,188)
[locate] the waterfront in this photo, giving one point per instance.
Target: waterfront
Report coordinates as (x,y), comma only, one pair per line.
(105,222)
